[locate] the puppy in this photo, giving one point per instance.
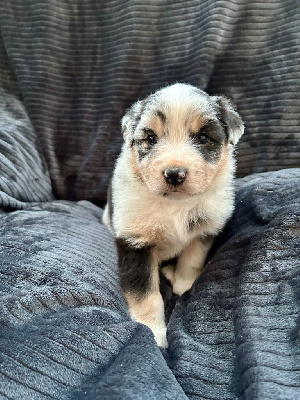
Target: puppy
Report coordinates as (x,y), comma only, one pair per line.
(171,193)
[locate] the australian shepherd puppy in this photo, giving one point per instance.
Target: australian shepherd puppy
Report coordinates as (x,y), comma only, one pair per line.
(171,193)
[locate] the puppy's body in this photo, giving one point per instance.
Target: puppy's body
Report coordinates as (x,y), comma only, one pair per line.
(171,193)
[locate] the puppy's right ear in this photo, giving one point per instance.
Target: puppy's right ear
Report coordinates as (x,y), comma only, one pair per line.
(230,119)
(130,120)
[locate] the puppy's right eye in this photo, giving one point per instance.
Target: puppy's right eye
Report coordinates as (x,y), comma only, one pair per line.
(151,137)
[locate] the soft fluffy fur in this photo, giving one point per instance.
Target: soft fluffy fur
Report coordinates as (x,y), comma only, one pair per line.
(171,193)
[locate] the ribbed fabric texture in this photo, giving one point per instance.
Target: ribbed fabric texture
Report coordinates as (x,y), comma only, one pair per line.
(79,64)
(65,330)
(23,175)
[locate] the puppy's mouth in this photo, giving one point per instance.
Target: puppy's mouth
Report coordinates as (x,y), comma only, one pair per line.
(175,192)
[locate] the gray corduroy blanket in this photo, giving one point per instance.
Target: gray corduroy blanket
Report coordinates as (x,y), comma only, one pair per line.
(68,71)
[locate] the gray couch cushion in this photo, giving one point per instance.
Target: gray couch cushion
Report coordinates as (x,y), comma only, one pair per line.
(65,330)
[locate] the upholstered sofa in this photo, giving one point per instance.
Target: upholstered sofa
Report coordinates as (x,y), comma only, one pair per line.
(68,72)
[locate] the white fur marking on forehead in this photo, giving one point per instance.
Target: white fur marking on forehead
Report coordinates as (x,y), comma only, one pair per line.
(182,99)
(181,91)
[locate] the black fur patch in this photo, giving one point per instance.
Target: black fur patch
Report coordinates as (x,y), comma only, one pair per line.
(161,116)
(142,154)
(135,268)
(210,151)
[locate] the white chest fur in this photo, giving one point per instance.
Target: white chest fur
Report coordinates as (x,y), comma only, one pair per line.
(168,223)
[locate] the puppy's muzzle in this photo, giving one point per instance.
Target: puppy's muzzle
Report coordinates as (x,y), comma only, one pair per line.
(175,175)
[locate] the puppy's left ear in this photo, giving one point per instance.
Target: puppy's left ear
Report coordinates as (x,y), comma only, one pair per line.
(230,119)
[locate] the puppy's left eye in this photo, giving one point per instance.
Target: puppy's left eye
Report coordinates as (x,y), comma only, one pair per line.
(202,138)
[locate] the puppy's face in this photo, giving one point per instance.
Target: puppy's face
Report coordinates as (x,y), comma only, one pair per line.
(179,138)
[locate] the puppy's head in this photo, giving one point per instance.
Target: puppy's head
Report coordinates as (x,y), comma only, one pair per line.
(180,139)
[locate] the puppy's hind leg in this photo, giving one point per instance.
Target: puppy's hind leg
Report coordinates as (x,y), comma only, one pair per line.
(138,271)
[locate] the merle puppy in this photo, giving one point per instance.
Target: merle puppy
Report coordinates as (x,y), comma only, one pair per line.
(171,193)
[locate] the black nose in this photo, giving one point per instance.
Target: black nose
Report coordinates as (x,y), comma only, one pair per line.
(175,175)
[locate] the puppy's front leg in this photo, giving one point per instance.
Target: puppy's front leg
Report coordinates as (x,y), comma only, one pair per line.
(189,265)
(138,271)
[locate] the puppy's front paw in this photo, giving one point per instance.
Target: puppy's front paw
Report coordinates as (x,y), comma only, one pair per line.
(182,285)
(179,285)
(169,273)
